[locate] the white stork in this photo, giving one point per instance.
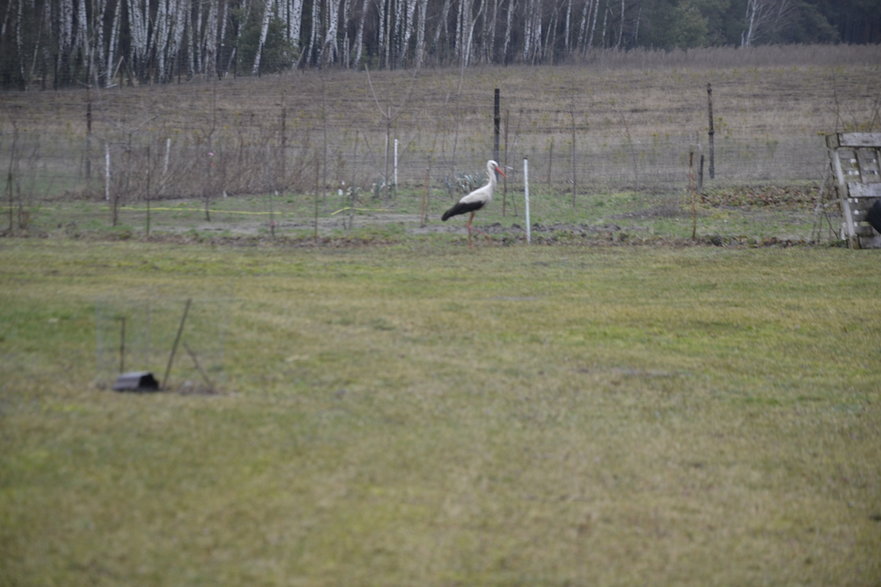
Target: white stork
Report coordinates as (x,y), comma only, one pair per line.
(476,199)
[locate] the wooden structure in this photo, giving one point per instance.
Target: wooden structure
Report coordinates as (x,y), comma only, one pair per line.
(855,163)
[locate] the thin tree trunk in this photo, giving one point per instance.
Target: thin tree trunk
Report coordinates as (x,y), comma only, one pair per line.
(330,48)
(620,28)
(359,37)
(264,30)
(512,5)
(442,30)
(420,34)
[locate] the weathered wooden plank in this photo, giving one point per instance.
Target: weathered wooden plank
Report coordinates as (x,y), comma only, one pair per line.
(870,242)
(859,206)
(868,160)
(860,209)
(854,139)
(863,190)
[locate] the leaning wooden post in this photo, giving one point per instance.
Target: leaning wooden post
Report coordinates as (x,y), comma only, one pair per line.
(426,196)
(711,132)
(692,189)
(180,330)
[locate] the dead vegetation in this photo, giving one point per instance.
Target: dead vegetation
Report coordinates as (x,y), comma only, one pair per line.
(625,122)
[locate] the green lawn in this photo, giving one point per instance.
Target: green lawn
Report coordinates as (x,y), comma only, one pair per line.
(424,414)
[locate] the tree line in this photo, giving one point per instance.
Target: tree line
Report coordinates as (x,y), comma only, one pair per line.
(101,43)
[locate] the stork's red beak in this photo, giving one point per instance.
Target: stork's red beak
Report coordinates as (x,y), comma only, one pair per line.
(499,169)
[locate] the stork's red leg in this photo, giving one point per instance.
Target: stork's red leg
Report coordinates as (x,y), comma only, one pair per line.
(470,219)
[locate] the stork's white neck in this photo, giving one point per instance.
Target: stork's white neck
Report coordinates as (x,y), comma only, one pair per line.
(491,173)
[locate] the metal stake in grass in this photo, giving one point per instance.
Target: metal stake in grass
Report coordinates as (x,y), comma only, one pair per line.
(180,330)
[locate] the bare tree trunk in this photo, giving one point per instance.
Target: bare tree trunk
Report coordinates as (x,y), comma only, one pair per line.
(489,34)
(111,46)
(567,28)
(636,28)
(460,26)
(408,25)
(382,44)
(441,29)
(264,30)
(551,39)
(753,9)
(140,41)
(512,5)
(620,28)
(98,58)
(160,38)
(420,34)
(65,40)
(468,25)
(593,25)
(330,47)
(347,49)
(532,35)
(209,41)
(179,26)
(359,37)
(222,13)
(313,52)
(295,22)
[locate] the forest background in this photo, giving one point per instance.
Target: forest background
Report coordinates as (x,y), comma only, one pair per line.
(103,43)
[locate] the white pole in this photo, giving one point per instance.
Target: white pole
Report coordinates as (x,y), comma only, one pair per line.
(167,156)
(107,171)
(526,197)
(396,162)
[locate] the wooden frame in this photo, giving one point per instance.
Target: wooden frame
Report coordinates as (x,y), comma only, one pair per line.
(856,163)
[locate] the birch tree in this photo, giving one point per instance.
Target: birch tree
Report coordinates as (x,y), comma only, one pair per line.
(441,30)
(91,41)
(139,46)
(264,30)
(359,36)
(620,26)
(408,23)
(65,41)
(763,16)
(509,25)
(330,47)
(346,42)
(112,45)
(208,41)
(420,34)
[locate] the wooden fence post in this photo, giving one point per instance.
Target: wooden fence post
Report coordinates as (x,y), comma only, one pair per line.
(497,123)
(711,132)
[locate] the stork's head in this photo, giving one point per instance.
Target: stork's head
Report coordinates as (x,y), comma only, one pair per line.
(492,166)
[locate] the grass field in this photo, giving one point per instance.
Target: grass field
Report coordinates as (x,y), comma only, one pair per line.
(421,413)
(722,216)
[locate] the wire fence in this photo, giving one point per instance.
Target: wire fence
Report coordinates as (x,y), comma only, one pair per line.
(205,142)
(167,168)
